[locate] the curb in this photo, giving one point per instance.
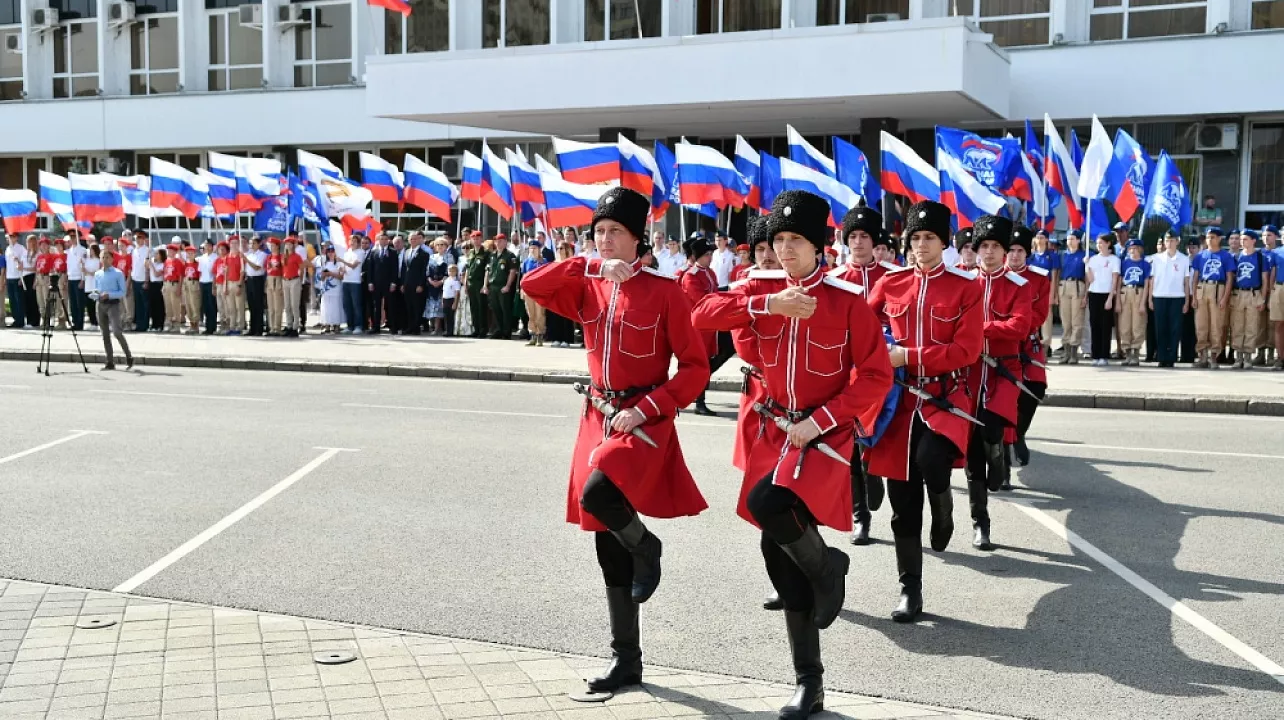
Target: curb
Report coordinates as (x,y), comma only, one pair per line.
(1211,404)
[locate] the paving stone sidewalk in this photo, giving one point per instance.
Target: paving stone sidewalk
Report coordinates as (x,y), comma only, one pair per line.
(181,661)
(1258,391)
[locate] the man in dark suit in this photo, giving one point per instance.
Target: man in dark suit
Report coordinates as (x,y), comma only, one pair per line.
(384,280)
(414,271)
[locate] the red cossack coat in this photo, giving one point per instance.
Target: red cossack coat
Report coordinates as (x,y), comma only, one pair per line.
(936,316)
(833,364)
(1040,287)
(632,331)
(864,275)
(1006,313)
(696,283)
(746,345)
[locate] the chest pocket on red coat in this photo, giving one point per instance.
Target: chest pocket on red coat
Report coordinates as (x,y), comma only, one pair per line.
(591,319)
(768,334)
(943,320)
(637,333)
(825,350)
(898,319)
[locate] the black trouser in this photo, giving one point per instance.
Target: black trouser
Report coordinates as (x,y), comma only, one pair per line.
(977,467)
(381,307)
(142,296)
(305,297)
(1152,340)
(1026,406)
(559,328)
(448,310)
(860,499)
(501,306)
(783,517)
(478,305)
(1167,328)
(209,307)
(931,462)
(76,304)
(726,351)
(155,305)
(91,307)
(256,300)
(1188,341)
(413,304)
(604,501)
(1103,323)
(29,301)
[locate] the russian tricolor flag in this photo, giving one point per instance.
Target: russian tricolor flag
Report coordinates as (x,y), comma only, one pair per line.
(587,163)
(803,153)
(398,6)
(796,176)
(1060,173)
(527,194)
(19,208)
(496,185)
(1128,176)
(55,198)
(638,170)
(771,184)
(176,187)
(429,188)
(470,186)
(222,191)
(964,194)
(707,176)
(256,179)
(95,198)
(569,204)
(382,178)
(749,166)
(905,173)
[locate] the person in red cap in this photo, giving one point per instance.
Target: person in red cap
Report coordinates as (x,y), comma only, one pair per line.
(44,274)
(827,373)
(627,462)
(292,271)
(275,287)
(934,312)
(191,289)
(173,288)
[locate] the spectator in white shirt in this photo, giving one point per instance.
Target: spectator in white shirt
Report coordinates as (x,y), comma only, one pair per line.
(1103,293)
(209,304)
(353,297)
(75,254)
(89,285)
(724,261)
(15,258)
(670,257)
(256,285)
(1169,297)
(139,281)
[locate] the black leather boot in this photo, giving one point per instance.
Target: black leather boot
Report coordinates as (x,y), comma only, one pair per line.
(1022,452)
(804,645)
(981,537)
(860,530)
(995,464)
(626,649)
(909,563)
(645,549)
(942,505)
(874,492)
(701,408)
(825,568)
(860,508)
(1006,485)
(773,602)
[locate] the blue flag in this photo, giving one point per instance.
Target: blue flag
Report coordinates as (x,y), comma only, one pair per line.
(305,202)
(853,171)
(996,163)
(771,183)
(1128,176)
(1168,197)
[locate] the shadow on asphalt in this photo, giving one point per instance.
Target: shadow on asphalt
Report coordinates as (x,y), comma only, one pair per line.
(1094,623)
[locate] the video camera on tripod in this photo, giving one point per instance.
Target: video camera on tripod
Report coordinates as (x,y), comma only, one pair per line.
(55,302)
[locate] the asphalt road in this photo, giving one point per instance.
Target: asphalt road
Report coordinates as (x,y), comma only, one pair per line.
(447,519)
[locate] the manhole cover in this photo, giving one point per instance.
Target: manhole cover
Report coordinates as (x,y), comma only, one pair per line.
(94,623)
(588,696)
(334,657)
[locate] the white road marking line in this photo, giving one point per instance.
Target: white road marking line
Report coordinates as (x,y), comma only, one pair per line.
(1194,415)
(1176,607)
(15,387)
(450,410)
(31,451)
(183,396)
(186,548)
(1175,451)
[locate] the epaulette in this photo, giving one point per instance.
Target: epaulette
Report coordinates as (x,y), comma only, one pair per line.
(738,283)
(850,287)
(889,265)
(1037,270)
(899,268)
(757,274)
(1020,281)
(836,272)
(657,273)
(966,275)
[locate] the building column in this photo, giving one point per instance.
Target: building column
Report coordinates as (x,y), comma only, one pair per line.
(465,25)
(566,21)
(114,46)
(929,9)
(278,49)
(37,60)
(1219,13)
(367,37)
(193,46)
(678,19)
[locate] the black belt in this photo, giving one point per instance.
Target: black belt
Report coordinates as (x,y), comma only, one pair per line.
(793,416)
(750,371)
(615,396)
(1212,282)
(1073,280)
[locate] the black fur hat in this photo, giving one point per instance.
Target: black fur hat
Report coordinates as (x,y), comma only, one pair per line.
(992,227)
(756,232)
(963,238)
(1023,237)
(863,218)
(801,212)
(697,247)
(628,208)
(928,216)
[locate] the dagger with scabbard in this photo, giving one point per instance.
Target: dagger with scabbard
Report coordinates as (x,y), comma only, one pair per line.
(1006,374)
(609,411)
(784,426)
(940,403)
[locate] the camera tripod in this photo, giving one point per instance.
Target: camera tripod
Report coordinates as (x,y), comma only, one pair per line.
(54,300)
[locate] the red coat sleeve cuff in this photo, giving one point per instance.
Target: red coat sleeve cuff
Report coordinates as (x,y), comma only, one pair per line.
(824,420)
(593,268)
(758,305)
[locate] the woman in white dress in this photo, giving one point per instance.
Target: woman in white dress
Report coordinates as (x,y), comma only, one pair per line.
(463,314)
(328,283)
(89,265)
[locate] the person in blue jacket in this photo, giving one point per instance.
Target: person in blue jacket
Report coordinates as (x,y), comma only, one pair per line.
(1213,271)
(1248,298)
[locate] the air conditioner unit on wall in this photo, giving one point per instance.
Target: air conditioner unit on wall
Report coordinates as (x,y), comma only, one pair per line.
(1217,136)
(13,44)
(43,19)
(251,15)
(288,16)
(453,166)
(121,13)
(882,17)
(110,165)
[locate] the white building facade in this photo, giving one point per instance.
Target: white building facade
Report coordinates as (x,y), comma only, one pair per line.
(104,84)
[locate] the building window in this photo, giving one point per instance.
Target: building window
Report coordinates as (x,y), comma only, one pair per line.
(153,57)
(323,46)
(525,22)
(1120,19)
(224,4)
(10,12)
(75,9)
(152,7)
(427,29)
(1266,165)
(236,53)
(627,19)
(1267,14)
(1013,23)
(75,48)
(10,68)
(846,12)
(724,16)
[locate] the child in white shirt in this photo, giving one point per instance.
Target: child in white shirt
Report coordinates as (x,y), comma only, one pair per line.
(449,292)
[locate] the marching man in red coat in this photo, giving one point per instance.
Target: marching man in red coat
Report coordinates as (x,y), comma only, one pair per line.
(826,372)
(1034,356)
(697,281)
(627,462)
(863,231)
(1006,317)
(934,312)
